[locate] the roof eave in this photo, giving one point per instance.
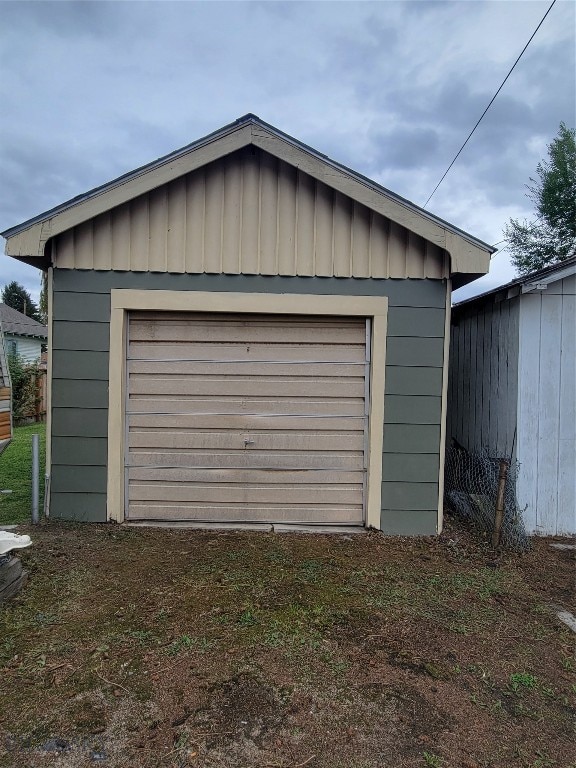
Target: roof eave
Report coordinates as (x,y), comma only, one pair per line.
(26,242)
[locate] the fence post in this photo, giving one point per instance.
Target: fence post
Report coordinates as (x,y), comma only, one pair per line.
(35,479)
(499,514)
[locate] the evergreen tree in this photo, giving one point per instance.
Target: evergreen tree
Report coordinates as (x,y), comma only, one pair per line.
(43,302)
(552,237)
(16,296)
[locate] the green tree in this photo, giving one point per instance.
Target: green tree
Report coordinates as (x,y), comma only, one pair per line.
(16,296)
(43,302)
(552,237)
(24,378)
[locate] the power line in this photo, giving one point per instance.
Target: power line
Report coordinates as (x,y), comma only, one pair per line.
(491,102)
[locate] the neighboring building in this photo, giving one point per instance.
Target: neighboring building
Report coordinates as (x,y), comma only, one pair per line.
(246,332)
(512,388)
(22,335)
(5,399)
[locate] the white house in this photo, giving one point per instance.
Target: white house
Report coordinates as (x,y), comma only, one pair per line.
(512,388)
(22,334)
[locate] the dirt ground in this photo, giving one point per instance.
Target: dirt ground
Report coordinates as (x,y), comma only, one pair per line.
(154,647)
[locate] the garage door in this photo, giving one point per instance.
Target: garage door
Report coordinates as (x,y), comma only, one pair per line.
(246,418)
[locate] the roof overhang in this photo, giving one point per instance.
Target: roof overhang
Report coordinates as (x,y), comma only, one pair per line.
(470,257)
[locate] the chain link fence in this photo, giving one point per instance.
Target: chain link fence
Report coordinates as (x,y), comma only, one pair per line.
(470,491)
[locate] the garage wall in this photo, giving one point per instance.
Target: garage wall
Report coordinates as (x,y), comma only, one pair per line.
(415,348)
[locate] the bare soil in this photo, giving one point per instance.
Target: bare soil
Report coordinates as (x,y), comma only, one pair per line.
(154,647)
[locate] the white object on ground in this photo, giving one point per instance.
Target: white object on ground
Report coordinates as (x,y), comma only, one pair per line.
(568,619)
(10,541)
(563,546)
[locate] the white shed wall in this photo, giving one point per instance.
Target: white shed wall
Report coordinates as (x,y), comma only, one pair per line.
(482,389)
(546,441)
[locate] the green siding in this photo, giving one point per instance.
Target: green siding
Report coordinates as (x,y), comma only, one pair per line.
(80,364)
(413,350)
(89,507)
(411,438)
(78,422)
(410,467)
(413,382)
(81,450)
(416,321)
(77,480)
(83,336)
(410,523)
(70,393)
(410,409)
(410,496)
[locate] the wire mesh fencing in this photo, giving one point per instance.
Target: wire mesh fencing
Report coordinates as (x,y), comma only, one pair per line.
(471,490)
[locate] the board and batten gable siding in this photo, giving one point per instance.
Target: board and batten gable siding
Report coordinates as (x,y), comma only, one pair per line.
(248,213)
(413,393)
(546,486)
(483,378)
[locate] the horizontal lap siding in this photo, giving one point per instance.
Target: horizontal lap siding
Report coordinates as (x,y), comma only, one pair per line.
(411,434)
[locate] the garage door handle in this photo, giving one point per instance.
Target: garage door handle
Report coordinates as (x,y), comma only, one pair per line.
(248,442)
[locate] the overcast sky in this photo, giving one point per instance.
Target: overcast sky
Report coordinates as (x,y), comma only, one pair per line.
(91,90)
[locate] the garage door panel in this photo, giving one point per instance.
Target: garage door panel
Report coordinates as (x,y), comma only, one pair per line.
(181,367)
(273,442)
(246,418)
(249,405)
(347,353)
(245,333)
(244,422)
(166,457)
(249,493)
(244,475)
(238,513)
(233,385)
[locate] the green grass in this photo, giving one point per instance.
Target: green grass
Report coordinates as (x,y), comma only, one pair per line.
(16,475)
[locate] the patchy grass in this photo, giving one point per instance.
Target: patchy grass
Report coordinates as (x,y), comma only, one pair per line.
(16,475)
(155,647)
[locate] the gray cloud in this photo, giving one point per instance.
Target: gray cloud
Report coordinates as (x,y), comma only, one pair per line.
(390,89)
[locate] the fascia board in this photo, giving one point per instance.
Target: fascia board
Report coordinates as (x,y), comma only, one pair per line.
(31,241)
(465,256)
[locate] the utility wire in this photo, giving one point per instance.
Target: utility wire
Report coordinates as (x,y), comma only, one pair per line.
(491,102)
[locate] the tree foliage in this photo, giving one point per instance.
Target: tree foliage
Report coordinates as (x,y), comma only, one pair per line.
(43,301)
(24,380)
(16,296)
(552,237)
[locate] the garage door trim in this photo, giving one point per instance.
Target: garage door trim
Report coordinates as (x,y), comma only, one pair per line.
(125,300)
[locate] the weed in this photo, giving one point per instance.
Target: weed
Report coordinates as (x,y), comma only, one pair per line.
(432,760)
(521,680)
(543,761)
(247,618)
(142,635)
(310,572)
(187,643)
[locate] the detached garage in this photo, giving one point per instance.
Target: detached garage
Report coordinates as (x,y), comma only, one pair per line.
(245,332)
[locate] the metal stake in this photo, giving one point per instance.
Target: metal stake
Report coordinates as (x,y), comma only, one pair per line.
(35,479)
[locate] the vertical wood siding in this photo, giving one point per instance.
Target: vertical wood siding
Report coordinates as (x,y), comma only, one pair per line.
(547,409)
(413,384)
(483,377)
(249,214)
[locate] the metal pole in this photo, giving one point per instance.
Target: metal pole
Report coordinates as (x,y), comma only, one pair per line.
(35,479)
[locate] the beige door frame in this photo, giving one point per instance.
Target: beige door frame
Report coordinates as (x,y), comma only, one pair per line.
(125,300)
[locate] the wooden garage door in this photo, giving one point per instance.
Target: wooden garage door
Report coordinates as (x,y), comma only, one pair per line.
(246,418)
